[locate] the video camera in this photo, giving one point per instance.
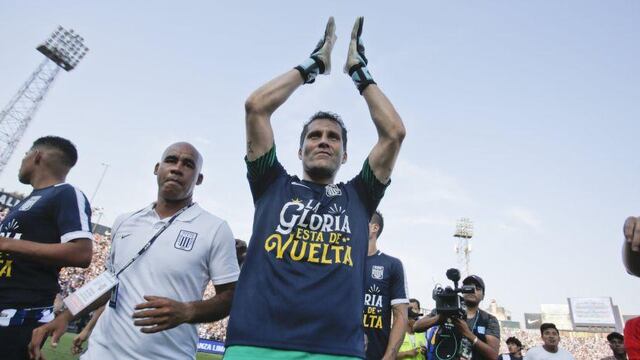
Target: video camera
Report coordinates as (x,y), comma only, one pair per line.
(449,344)
(448,301)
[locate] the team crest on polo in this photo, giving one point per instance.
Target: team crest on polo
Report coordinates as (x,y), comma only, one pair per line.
(377,272)
(185,240)
(332,190)
(29,203)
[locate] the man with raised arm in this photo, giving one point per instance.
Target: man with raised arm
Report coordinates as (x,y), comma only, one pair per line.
(300,291)
(46,231)
(163,256)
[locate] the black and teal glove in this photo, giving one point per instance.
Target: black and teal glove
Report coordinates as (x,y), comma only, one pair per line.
(356,65)
(320,60)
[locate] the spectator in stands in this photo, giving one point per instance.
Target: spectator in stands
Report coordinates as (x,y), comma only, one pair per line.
(480,328)
(414,345)
(616,343)
(52,224)
(550,349)
(515,349)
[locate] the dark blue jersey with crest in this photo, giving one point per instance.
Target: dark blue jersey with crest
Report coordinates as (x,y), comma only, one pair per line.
(302,284)
(384,287)
(52,215)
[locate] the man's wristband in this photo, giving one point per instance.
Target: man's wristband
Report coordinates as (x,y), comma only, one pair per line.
(361,77)
(310,68)
(475,341)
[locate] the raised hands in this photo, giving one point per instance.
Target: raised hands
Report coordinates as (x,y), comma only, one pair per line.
(320,60)
(356,65)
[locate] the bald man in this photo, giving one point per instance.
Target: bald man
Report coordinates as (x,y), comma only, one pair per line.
(47,230)
(152,312)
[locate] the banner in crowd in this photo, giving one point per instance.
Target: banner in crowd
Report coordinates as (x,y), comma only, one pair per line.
(211,346)
(592,311)
(7,200)
(532,320)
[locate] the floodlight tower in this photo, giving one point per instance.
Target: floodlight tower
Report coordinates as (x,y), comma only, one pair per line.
(464,233)
(63,49)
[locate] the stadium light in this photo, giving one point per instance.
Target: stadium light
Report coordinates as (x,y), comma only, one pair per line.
(62,50)
(464,233)
(65,48)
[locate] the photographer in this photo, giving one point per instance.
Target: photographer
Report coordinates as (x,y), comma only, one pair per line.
(480,328)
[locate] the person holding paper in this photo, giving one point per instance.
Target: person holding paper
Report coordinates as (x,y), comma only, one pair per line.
(163,257)
(47,230)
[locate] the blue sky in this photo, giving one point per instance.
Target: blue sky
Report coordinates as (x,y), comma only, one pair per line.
(520,115)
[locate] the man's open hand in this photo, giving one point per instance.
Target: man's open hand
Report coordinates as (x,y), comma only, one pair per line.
(160,313)
(320,60)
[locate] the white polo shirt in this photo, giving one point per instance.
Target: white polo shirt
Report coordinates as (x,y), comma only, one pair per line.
(196,248)
(539,353)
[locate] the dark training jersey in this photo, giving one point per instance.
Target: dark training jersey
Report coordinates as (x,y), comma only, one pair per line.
(384,287)
(52,215)
(302,284)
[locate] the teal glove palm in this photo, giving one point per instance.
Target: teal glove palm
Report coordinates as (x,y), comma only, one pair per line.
(356,65)
(320,60)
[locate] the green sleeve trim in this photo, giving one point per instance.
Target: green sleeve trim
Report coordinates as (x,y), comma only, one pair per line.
(369,177)
(258,167)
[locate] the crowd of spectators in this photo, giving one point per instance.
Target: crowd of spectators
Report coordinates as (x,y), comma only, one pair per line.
(582,345)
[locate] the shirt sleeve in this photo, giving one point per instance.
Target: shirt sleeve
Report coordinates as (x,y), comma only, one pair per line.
(73,215)
(223,263)
(262,172)
(398,282)
(493,327)
(371,190)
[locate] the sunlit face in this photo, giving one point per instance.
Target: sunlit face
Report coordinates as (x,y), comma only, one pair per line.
(178,172)
(322,152)
(27,166)
(550,337)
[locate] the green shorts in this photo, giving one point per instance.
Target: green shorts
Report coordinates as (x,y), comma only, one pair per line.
(239,352)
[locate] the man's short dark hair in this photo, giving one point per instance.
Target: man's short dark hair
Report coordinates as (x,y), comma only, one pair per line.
(329,116)
(547,326)
(377,218)
(412,300)
(514,340)
(69,154)
(615,335)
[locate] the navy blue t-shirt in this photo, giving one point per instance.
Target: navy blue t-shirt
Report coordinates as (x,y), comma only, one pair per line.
(384,287)
(302,284)
(55,214)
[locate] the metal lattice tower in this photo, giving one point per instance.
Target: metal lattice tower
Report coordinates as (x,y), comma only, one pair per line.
(464,233)
(63,49)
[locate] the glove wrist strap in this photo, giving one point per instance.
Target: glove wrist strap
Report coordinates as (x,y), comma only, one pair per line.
(361,77)
(310,68)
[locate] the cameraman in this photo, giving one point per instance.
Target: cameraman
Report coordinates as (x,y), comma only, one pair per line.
(481,328)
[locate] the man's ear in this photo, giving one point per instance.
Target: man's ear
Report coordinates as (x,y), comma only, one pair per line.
(200,178)
(344,157)
(300,153)
(155,169)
